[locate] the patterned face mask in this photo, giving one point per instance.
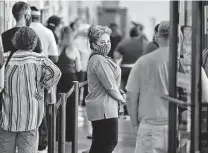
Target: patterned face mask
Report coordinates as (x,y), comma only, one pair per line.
(103,49)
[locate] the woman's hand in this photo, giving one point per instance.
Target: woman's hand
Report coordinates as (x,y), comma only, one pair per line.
(122,103)
(124,96)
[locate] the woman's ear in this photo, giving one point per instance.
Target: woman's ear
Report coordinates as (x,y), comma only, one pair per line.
(94,45)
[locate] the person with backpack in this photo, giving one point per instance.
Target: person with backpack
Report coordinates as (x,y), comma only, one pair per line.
(26,76)
(153,45)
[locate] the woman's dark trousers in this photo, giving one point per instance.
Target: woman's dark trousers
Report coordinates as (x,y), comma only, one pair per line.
(105,135)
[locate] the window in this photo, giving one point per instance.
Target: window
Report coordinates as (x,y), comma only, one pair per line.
(2,16)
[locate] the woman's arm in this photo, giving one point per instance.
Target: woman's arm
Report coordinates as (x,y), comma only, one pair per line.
(106,77)
(78,61)
(116,95)
(50,74)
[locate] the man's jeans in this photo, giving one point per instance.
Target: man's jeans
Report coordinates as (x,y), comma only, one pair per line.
(152,138)
(27,142)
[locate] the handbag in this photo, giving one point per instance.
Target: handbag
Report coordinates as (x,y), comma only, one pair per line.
(1,93)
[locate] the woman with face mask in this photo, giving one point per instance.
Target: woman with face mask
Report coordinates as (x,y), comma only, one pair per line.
(103,77)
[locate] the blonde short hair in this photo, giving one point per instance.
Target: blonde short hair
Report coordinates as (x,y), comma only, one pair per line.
(164,29)
(95,32)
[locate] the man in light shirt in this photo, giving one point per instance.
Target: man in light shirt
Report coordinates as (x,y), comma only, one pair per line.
(147,82)
(46,36)
(49,48)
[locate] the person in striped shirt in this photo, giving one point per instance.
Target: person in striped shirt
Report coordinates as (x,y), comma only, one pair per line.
(26,76)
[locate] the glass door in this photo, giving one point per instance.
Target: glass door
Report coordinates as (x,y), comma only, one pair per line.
(2,17)
(187,113)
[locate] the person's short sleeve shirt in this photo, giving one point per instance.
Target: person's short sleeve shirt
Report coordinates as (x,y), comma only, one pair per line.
(47,39)
(7,38)
(149,78)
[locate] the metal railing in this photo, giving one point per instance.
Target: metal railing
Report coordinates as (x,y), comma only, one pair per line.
(60,106)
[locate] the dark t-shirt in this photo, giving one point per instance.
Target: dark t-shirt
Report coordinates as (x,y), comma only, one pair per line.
(114,42)
(150,47)
(7,37)
(131,49)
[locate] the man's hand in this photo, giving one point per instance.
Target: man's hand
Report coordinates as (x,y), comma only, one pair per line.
(136,128)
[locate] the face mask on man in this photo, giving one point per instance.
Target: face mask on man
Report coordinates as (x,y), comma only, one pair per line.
(103,49)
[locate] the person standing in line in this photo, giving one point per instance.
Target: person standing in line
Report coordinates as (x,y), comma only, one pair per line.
(151,46)
(75,25)
(82,44)
(50,50)
(22,14)
(55,25)
(115,37)
(46,36)
(187,35)
(103,76)
(26,76)
(148,81)
(128,51)
(69,64)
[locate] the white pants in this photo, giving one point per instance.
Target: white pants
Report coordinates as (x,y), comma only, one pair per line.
(152,138)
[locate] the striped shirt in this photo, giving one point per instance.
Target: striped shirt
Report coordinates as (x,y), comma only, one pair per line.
(26,76)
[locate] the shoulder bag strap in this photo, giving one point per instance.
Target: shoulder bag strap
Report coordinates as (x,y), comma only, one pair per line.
(92,55)
(9,58)
(7,61)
